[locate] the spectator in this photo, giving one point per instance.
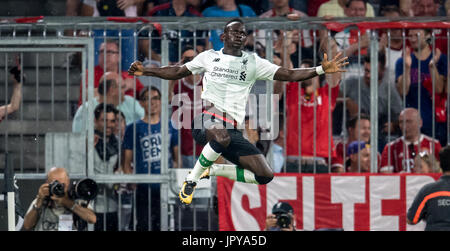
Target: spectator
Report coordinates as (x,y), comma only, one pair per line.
(105,161)
(427,8)
(354,42)
(432,8)
(313,7)
(393,48)
(175,8)
(314,98)
(358,129)
(73,7)
(259,6)
(109,84)
(342,8)
(97,8)
(110,63)
(281,8)
(277,150)
(398,155)
(282,218)
(149,4)
(426,163)
(187,91)
(147,153)
(447,7)
(16,96)
(359,157)
(409,82)
(116,8)
(387,103)
(124,191)
(225,8)
(45,211)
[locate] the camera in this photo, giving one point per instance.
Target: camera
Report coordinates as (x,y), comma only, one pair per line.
(56,188)
(283,220)
(85,189)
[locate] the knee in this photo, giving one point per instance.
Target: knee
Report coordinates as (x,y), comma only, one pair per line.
(223,138)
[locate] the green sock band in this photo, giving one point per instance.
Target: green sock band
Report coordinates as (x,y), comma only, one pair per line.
(240,174)
(204,161)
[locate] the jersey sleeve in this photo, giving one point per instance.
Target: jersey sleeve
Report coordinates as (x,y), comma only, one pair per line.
(387,165)
(198,64)
(265,70)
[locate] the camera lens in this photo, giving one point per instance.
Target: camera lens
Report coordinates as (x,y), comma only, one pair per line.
(283,220)
(86,189)
(56,188)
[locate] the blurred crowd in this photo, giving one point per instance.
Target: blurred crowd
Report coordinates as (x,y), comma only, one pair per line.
(340,102)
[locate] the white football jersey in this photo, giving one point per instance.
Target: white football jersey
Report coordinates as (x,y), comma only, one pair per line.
(228,80)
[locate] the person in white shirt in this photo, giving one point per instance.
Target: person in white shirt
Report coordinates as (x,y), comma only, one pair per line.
(229,75)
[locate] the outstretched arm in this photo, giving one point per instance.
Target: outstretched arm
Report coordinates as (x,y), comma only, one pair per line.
(15,100)
(299,74)
(171,72)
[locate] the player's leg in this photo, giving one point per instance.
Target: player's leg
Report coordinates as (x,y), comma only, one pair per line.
(250,164)
(215,139)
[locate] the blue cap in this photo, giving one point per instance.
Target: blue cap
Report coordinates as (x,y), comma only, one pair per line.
(356,146)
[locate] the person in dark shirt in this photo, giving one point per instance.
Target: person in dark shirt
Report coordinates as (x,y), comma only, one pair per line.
(432,202)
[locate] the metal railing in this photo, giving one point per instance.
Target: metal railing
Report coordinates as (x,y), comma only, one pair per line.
(55,36)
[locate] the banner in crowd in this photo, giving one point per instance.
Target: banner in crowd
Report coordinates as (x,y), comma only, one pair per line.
(352,202)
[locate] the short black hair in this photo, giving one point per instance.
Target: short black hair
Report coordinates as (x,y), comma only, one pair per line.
(381,58)
(351,123)
(186,48)
(107,108)
(389,8)
(232,21)
(146,89)
(444,158)
(350,1)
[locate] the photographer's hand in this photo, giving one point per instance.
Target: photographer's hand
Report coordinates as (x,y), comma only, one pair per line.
(271,221)
(84,213)
(290,228)
(63,201)
(42,194)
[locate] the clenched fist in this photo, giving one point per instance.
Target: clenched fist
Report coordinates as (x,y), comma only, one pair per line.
(136,69)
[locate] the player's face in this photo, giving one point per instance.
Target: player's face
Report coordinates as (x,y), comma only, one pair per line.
(235,35)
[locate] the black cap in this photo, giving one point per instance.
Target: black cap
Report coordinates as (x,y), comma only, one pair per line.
(282,207)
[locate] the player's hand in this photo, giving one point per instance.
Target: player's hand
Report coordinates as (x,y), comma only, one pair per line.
(136,69)
(335,65)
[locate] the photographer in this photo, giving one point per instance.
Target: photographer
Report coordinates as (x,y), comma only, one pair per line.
(281,219)
(50,212)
